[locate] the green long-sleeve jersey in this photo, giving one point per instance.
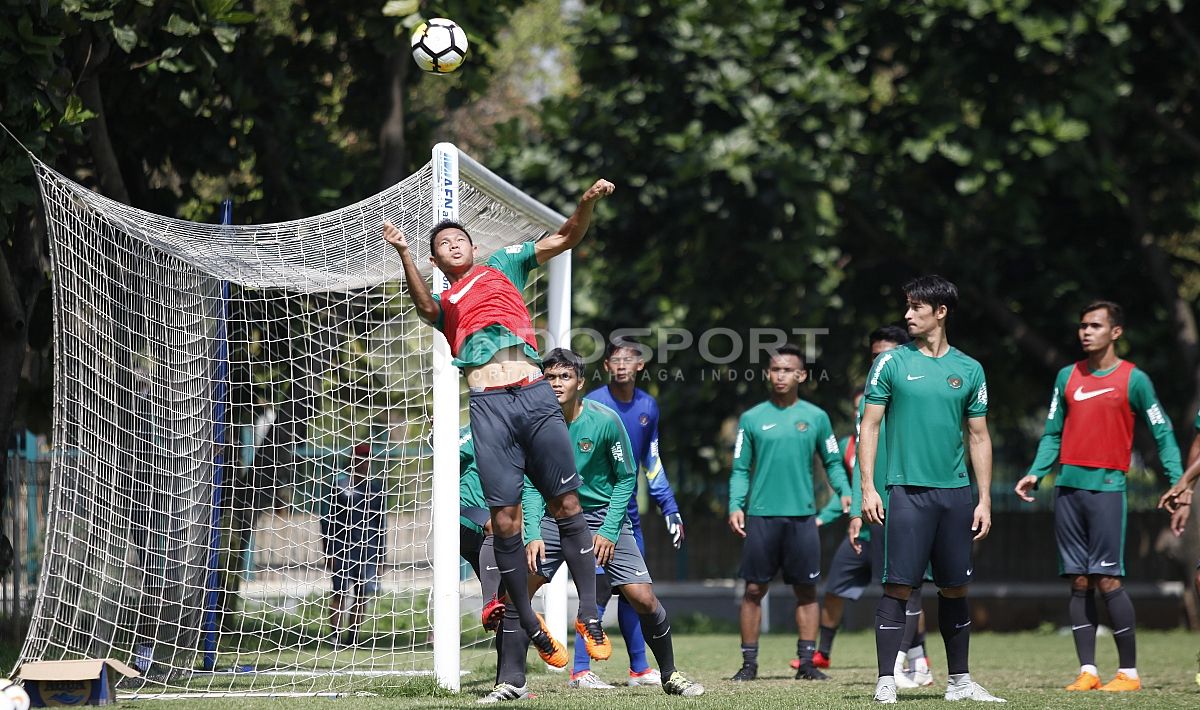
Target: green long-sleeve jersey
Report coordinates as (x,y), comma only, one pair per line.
(772,459)
(607,471)
(1142,402)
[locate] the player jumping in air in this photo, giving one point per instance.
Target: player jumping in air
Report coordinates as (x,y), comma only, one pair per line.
(923,391)
(771,505)
(609,476)
(517,426)
(638,410)
(1089,432)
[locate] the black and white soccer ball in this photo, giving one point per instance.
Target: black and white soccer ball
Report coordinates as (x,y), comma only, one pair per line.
(439,46)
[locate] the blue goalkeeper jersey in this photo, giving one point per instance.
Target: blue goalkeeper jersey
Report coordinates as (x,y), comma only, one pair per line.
(640,417)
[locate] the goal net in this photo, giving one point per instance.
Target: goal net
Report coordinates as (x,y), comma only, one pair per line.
(243,423)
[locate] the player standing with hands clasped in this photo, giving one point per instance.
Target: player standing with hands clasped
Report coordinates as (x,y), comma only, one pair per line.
(924,390)
(516,423)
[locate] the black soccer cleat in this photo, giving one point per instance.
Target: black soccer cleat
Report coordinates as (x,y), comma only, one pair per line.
(808,671)
(749,671)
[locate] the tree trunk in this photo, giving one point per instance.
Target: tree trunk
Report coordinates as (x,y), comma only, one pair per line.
(108,169)
(391,133)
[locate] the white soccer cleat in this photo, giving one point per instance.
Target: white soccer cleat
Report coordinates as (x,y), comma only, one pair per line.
(589,680)
(885,690)
(970,690)
(504,692)
(650,676)
(922,679)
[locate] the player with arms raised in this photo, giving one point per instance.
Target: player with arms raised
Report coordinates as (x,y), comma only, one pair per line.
(924,390)
(1089,432)
(516,423)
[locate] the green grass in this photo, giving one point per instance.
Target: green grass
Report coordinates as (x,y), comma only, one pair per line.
(1027,668)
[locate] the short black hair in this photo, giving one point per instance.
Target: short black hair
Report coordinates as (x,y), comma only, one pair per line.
(1116,316)
(789,349)
(562,357)
(890,333)
(622,343)
(443,226)
(934,290)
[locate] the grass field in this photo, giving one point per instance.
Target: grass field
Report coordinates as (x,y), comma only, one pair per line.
(1027,668)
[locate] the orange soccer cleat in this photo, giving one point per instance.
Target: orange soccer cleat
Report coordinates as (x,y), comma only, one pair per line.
(548,647)
(1085,681)
(598,645)
(1122,684)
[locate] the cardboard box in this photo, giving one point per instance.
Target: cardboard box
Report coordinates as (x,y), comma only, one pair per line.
(88,681)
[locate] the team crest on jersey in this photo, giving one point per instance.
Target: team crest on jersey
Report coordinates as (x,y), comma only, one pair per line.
(644,420)
(801,426)
(954,381)
(585,445)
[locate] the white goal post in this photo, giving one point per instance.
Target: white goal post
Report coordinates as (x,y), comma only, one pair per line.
(246,416)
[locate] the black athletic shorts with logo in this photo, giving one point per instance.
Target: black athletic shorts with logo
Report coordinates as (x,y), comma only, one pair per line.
(851,573)
(520,431)
(775,542)
(928,527)
(1089,527)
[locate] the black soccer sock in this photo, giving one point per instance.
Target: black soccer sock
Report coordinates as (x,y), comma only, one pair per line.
(804,651)
(510,558)
(656,627)
(512,645)
(954,621)
(1082,610)
(825,645)
(579,553)
(1120,610)
(489,571)
(750,654)
(912,620)
(889,632)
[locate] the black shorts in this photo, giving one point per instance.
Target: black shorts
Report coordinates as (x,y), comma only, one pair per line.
(1089,527)
(849,573)
(518,432)
(928,527)
(780,541)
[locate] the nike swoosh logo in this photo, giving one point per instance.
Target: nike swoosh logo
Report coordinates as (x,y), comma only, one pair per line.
(1081,626)
(490,568)
(584,552)
(456,297)
(1121,631)
(664,633)
(639,574)
(814,575)
(969,572)
(890,628)
(918,377)
(767,427)
(1081,396)
(509,631)
(1108,564)
(563,481)
(962,626)
(912,613)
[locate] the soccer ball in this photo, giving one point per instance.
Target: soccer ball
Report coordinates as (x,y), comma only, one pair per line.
(439,46)
(17,696)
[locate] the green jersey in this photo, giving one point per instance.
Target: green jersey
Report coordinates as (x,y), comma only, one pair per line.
(773,459)
(1141,400)
(470,490)
(833,508)
(515,262)
(926,399)
(607,471)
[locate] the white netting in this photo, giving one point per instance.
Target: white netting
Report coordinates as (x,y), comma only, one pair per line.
(209,372)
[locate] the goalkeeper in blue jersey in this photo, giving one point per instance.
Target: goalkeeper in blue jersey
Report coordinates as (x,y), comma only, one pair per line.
(623,360)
